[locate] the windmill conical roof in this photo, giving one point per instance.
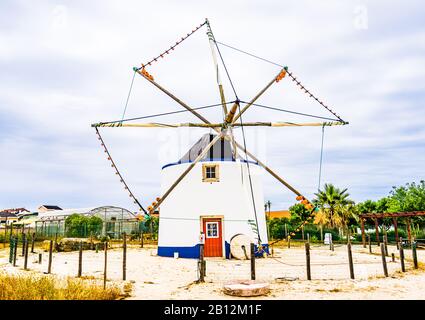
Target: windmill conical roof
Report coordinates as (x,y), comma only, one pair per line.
(221,150)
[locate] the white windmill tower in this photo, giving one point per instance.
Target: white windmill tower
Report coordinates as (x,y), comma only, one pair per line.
(196,189)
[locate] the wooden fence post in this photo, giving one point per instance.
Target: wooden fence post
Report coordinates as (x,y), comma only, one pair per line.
(124,257)
(15,250)
(40,258)
(23,243)
(32,242)
(11,249)
(252,261)
(49,268)
(289,242)
(386,244)
(377,232)
(350,261)
(26,254)
(384,261)
(80,260)
(393,257)
(363,233)
(403,267)
(369,243)
(201,263)
(414,254)
(105,246)
(307,256)
(5,234)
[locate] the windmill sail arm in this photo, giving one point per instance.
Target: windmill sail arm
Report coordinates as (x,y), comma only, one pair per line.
(211,40)
(275,79)
(289,124)
(274,174)
(181,177)
(183,104)
(158,125)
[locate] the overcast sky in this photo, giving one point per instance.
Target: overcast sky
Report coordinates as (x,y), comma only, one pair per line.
(67,64)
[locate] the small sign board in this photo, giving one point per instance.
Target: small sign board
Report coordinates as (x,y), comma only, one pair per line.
(328,238)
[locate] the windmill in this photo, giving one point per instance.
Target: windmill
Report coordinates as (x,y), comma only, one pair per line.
(195,189)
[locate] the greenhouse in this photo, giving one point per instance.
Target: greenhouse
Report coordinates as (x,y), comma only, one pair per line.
(96,221)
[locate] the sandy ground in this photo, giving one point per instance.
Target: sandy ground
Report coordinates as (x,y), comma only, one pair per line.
(156,277)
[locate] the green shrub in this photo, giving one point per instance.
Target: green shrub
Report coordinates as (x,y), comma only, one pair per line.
(77,225)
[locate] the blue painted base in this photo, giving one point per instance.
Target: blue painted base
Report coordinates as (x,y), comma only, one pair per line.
(193,252)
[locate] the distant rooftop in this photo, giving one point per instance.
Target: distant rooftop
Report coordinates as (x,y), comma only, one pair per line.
(15,210)
(49,207)
(5,214)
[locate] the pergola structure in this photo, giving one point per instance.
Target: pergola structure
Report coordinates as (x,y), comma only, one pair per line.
(394,215)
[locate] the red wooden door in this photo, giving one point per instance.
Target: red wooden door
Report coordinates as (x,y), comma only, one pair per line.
(212,228)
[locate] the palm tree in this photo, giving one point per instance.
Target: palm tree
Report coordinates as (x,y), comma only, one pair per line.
(335,207)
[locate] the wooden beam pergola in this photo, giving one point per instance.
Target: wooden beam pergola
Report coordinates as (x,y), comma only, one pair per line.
(394,215)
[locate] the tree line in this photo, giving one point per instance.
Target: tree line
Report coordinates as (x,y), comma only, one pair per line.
(339,215)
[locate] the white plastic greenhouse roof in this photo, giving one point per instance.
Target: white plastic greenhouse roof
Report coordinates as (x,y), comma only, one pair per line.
(65,212)
(56,214)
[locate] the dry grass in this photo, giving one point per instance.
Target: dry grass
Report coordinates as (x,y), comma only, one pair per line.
(39,287)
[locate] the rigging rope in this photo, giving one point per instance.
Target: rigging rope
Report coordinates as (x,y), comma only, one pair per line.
(225,68)
(293,112)
(164,114)
(118,173)
(298,83)
(249,177)
(128,96)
